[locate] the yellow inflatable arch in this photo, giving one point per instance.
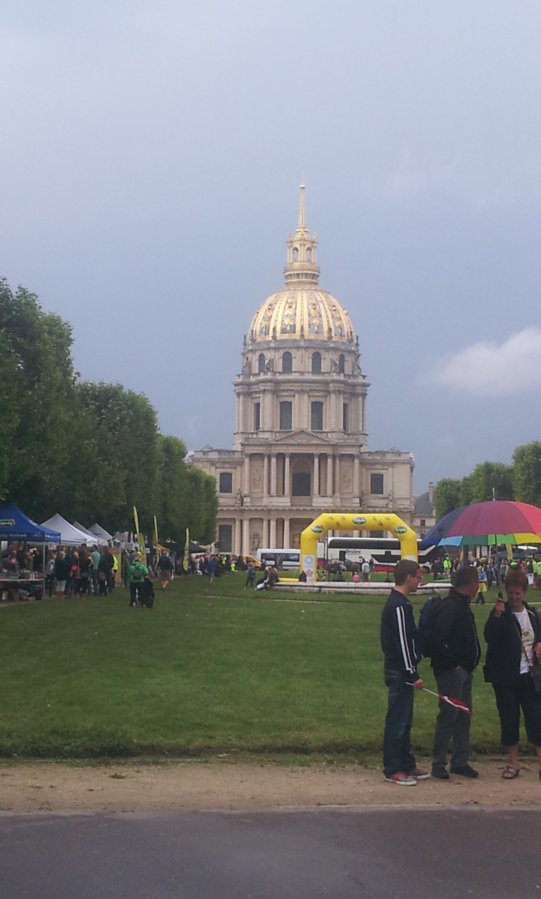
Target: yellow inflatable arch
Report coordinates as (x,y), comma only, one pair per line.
(358,521)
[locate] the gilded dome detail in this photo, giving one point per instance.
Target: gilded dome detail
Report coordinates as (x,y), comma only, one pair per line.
(301,310)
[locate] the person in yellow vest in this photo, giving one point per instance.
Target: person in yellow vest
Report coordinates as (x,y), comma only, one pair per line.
(114,570)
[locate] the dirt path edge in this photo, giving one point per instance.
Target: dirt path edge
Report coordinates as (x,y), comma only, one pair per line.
(183,785)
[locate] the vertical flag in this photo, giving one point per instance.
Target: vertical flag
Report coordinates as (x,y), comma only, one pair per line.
(139,537)
(186,552)
(155,551)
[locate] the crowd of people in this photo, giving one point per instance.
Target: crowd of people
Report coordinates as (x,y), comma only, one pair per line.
(449,638)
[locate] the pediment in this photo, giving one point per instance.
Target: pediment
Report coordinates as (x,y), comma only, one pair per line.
(302,438)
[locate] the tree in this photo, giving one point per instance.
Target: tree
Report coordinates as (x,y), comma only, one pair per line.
(201,505)
(527,473)
(446,496)
(490,480)
(39,387)
(121,430)
(172,482)
(91,451)
(8,406)
(210,509)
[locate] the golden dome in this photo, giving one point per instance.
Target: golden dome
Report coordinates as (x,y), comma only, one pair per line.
(301,310)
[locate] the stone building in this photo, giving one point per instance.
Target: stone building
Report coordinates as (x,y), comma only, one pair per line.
(424,512)
(300,443)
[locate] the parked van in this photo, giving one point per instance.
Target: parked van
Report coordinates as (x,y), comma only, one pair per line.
(285,559)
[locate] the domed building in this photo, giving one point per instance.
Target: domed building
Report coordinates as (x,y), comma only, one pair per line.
(300,444)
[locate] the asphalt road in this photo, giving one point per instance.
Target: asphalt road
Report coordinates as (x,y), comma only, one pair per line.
(372,853)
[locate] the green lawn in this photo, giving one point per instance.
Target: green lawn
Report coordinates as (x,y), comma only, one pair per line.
(211,669)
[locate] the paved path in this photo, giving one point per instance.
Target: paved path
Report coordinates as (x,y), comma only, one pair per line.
(353,854)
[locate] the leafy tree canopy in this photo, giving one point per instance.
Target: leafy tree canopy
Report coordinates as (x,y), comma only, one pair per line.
(520,481)
(88,450)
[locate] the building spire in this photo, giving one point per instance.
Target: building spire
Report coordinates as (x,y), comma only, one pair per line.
(302,214)
(301,250)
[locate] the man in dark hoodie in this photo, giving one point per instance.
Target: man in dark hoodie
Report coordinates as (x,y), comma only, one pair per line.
(400,670)
(455,655)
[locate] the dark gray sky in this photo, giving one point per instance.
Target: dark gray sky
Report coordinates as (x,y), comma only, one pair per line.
(149,171)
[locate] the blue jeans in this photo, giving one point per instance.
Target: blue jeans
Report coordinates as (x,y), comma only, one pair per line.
(396,737)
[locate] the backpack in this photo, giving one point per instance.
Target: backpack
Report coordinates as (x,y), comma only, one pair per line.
(136,572)
(427,618)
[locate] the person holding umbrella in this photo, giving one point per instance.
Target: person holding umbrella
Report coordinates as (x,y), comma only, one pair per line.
(398,633)
(513,636)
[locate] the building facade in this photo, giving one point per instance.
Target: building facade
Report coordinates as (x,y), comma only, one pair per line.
(424,512)
(300,443)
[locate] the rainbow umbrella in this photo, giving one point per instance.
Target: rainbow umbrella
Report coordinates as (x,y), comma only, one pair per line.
(487,524)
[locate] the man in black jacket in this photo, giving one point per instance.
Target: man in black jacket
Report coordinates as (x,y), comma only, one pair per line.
(455,656)
(400,670)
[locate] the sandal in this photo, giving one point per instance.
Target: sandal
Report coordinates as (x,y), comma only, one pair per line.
(510,772)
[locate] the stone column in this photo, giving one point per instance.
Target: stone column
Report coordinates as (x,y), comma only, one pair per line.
(245,537)
(287,536)
(273,477)
(246,476)
(272,538)
(287,485)
(237,537)
(356,480)
(315,488)
(337,475)
(329,474)
(265,475)
(265,535)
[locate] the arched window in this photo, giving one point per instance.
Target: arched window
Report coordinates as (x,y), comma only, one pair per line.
(316,363)
(287,362)
(295,254)
(261,363)
(341,364)
(309,254)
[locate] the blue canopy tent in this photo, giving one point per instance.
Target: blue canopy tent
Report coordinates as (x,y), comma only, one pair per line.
(15,525)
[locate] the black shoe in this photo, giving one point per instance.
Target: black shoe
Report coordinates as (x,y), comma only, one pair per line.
(465,771)
(440,772)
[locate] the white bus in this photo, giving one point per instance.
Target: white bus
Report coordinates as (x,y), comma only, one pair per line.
(281,558)
(384,551)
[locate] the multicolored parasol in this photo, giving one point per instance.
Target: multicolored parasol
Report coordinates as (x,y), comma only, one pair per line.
(487,524)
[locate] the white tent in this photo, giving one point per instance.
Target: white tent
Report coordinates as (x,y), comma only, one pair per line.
(91,537)
(100,532)
(69,535)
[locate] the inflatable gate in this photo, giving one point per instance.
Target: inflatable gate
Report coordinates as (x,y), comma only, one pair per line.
(369,521)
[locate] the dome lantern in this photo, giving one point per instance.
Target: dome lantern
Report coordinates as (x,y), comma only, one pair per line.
(301,309)
(301,251)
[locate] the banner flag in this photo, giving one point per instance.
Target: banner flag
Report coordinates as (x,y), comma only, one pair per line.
(139,537)
(186,552)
